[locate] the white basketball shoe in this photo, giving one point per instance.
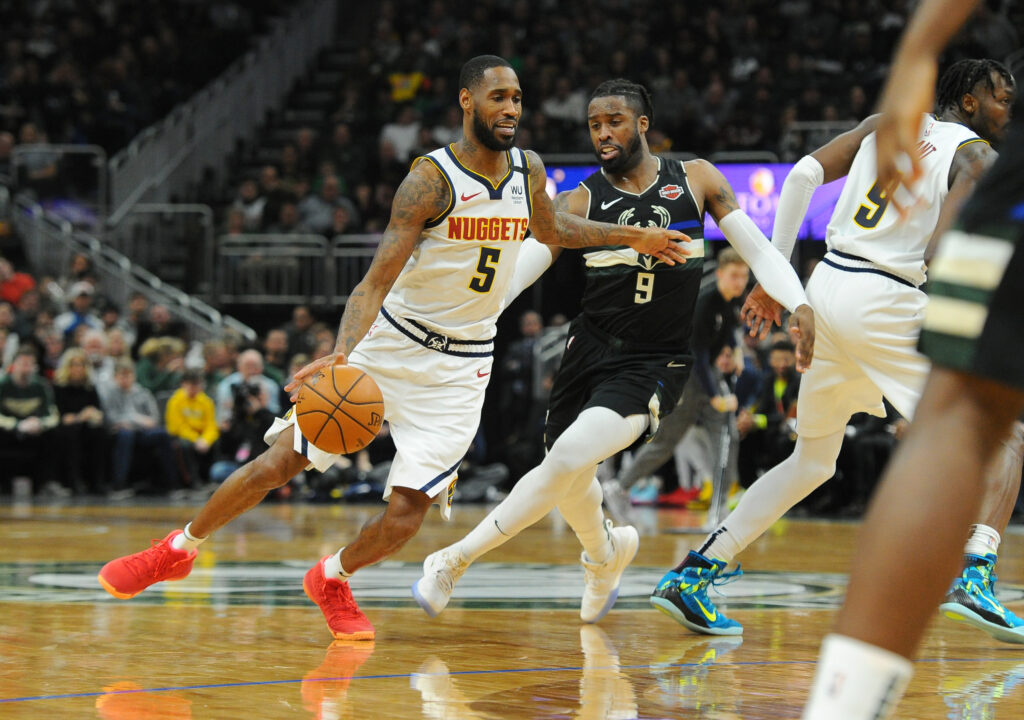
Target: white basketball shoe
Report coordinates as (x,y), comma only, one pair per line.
(602,579)
(441,570)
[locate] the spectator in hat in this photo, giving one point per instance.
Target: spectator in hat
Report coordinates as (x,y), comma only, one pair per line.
(79,312)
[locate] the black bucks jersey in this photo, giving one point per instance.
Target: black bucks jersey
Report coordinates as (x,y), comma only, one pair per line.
(638,298)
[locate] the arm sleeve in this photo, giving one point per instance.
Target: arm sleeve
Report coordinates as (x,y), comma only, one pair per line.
(772,270)
(533,259)
(797,190)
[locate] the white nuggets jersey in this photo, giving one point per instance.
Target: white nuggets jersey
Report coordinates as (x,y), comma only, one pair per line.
(863,225)
(455,281)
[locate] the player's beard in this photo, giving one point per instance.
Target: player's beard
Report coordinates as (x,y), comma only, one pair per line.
(627,159)
(485,135)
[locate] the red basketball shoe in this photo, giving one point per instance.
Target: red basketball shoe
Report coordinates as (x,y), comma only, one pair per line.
(127,576)
(344,618)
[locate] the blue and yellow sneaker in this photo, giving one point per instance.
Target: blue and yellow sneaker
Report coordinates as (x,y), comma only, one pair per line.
(972,600)
(682,595)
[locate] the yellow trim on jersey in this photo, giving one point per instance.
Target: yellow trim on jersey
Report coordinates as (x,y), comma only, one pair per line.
(973,140)
(483,178)
(451,188)
(529,186)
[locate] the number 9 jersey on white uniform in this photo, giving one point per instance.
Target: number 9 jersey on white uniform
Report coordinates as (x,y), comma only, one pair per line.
(864,225)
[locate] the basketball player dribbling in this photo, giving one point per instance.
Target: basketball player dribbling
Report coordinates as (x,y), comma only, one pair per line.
(628,353)
(869,308)
(974,334)
(421,323)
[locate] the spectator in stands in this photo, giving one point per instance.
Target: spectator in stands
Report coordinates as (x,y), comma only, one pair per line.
(273,194)
(450,128)
(79,312)
(306,151)
(300,331)
(110,316)
(135,422)
(217,364)
(138,310)
(96,345)
(37,165)
(27,308)
(275,355)
(766,433)
(161,363)
(250,203)
(342,223)
(522,418)
(402,134)
(288,221)
(317,211)
(190,419)
(9,343)
(246,403)
(53,346)
(13,285)
(349,158)
(159,324)
(28,416)
(79,270)
(81,437)
(244,392)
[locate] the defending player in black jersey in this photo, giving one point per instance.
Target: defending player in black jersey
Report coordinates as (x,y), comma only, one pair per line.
(628,353)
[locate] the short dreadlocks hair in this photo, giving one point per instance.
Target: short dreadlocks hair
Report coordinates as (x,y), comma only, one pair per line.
(961,78)
(636,95)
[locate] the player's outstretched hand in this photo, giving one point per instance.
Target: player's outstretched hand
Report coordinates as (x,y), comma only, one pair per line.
(335,358)
(760,311)
(801,329)
(661,243)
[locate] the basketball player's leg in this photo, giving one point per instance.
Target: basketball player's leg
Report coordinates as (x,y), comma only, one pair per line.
(246,487)
(597,434)
(172,558)
(927,497)
(385,534)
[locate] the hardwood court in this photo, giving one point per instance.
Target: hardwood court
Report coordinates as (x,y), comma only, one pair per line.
(238,639)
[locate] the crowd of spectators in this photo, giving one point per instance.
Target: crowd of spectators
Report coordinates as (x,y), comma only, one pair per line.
(99,400)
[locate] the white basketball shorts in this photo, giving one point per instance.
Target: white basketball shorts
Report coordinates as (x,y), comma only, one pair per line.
(866,330)
(432,402)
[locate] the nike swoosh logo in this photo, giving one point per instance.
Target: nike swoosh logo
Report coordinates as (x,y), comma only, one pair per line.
(675,364)
(482,374)
(606,205)
(711,616)
(466,198)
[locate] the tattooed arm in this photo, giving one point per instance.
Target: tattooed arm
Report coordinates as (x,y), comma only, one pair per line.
(569,230)
(422,196)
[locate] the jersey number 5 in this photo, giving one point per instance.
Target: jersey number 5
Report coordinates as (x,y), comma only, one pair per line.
(869,217)
(644,287)
(486,269)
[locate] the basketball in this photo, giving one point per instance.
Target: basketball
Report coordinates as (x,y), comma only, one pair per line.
(339,409)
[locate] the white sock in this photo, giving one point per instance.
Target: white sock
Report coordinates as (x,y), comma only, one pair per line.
(581,508)
(856,681)
(597,434)
(186,540)
(813,462)
(721,545)
(983,540)
(333,568)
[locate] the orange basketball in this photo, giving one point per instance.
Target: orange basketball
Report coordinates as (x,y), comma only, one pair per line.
(339,409)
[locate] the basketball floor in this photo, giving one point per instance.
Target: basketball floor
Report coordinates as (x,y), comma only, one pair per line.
(239,639)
